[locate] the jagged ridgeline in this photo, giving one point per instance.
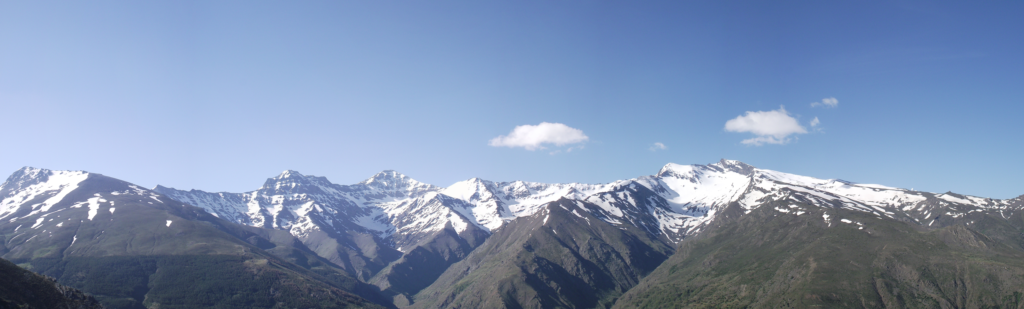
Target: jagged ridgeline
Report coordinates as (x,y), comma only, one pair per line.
(132,248)
(723,234)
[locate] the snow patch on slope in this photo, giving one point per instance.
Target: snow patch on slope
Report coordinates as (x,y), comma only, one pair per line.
(35,183)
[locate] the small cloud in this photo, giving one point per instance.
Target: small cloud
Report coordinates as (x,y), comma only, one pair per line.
(533,137)
(826,102)
(771,127)
(815,122)
(658,146)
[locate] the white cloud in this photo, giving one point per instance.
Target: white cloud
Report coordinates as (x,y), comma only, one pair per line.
(533,137)
(771,127)
(658,146)
(815,122)
(826,102)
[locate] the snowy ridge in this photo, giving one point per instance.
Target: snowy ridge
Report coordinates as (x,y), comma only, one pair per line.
(676,202)
(491,209)
(498,203)
(381,205)
(40,206)
(229,206)
(390,213)
(32,185)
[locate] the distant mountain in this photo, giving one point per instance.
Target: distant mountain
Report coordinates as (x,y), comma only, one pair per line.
(362,226)
(134,248)
(478,243)
(385,228)
(792,254)
(561,257)
(21,288)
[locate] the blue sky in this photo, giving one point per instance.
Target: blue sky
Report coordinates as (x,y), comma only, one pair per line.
(220,95)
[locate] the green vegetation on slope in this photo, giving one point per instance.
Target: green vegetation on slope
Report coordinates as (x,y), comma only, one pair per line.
(771,259)
(197,281)
(20,288)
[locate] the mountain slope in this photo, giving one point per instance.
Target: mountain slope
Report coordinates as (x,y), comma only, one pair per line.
(21,288)
(788,254)
(422,265)
(362,227)
(385,228)
(562,256)
(133,248)
(400,234)
(410,239)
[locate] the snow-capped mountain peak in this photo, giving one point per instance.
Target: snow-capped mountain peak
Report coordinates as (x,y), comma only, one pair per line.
(394,181)
(692,171)
(734,167)
(296,183)
(42,188)
(677,201)
(474,189)
(676,170)
(27,176)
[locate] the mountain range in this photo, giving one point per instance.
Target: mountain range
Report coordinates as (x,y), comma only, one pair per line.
(722,234)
